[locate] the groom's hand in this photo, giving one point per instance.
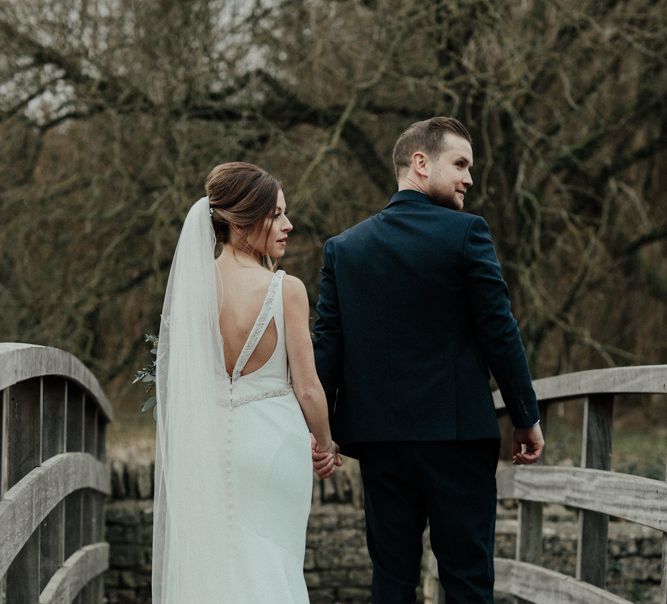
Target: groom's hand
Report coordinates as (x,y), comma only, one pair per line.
(528,445)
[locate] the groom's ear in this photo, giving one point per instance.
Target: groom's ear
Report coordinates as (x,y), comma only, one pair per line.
(420,164)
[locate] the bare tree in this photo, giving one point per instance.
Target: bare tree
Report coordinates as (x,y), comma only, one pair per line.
(112,112)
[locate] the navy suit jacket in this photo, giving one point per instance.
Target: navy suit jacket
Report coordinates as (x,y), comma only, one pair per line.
(413,312)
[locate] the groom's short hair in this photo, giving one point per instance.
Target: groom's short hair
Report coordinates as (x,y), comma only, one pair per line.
(427,136)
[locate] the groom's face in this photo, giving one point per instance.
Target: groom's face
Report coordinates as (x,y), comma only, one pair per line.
(449,173)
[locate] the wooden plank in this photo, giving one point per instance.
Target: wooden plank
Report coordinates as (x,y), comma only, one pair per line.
(23,448)
(79,570)
(596,432)
(643,379)
(98,511)
(98,582)
(634,498)
(23,573)
(4,439)
(52,544)
(530,521)
(75,410)
(89,518)
(529,530)
(53,416)
(73,522)
(19,362)
(663,582)
(27,504)
(102,437)
(536,584)
(596,454)
(90,425)
(86,594)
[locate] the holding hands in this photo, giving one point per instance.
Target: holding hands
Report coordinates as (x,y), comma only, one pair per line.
(325,459)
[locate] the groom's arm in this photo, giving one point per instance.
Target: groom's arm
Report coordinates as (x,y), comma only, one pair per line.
(327,335)
(496,328)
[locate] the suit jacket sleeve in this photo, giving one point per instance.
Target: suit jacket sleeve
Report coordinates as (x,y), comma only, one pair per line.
(496,329)
(328,337)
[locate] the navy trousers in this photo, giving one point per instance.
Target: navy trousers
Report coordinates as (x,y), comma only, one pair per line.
(452,485)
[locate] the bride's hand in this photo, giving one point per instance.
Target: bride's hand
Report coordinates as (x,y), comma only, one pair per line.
(324,459)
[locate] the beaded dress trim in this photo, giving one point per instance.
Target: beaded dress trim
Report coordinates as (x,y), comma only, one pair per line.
(266,313)
(261,323)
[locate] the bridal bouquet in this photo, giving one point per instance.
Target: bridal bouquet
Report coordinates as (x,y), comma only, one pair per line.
(146,375)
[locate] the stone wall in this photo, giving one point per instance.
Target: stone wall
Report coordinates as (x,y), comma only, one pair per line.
(337,567)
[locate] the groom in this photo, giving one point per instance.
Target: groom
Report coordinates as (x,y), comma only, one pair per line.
(413,313)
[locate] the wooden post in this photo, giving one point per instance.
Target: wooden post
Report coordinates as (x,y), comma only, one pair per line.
(87,594)
(73,522)
(53,416)
(90,426)
(52,530)
(23,454)
(663,582)
(89,520)
(530,520)
(101,437)
(23,447)
(75,423)
(596,454)
(4,439)
(52,544)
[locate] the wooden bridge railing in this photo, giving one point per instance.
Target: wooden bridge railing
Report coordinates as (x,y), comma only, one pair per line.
(53,478)
(593,489)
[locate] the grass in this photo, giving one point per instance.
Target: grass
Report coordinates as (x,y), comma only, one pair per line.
(642,452)
(131,437)
(639,448)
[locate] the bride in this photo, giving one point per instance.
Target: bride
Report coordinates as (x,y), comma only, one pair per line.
(239,405)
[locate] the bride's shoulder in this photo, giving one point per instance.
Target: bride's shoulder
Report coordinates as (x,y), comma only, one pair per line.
(294,290)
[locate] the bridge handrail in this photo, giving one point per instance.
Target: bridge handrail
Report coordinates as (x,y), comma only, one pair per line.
(593,489)
(611,493)
(40,491)
(640,379)
(20,362)
(53,477)
(533,583)
(76,572)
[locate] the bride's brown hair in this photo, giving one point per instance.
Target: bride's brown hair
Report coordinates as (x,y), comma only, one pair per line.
(240,194)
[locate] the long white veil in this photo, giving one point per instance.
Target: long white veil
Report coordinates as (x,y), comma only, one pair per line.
(188,548)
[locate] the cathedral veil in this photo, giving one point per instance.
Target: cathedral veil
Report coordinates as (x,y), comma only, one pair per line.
(188,548)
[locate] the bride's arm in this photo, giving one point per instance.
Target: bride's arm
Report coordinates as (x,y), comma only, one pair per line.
(306,384)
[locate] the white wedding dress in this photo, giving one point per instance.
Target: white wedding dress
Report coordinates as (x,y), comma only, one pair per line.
(267,471)
(233,470)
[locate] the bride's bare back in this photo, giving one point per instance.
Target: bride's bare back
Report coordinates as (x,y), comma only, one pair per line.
(245,289)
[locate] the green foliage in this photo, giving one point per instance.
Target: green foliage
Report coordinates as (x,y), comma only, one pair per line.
(146,375)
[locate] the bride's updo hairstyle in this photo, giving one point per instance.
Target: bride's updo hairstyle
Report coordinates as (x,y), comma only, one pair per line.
(240,194)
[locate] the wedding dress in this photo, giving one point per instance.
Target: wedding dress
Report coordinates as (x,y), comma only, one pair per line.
(233,466)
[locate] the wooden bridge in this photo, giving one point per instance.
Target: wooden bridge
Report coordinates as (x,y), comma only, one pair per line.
(53,478)
(53,481)
(593,489)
